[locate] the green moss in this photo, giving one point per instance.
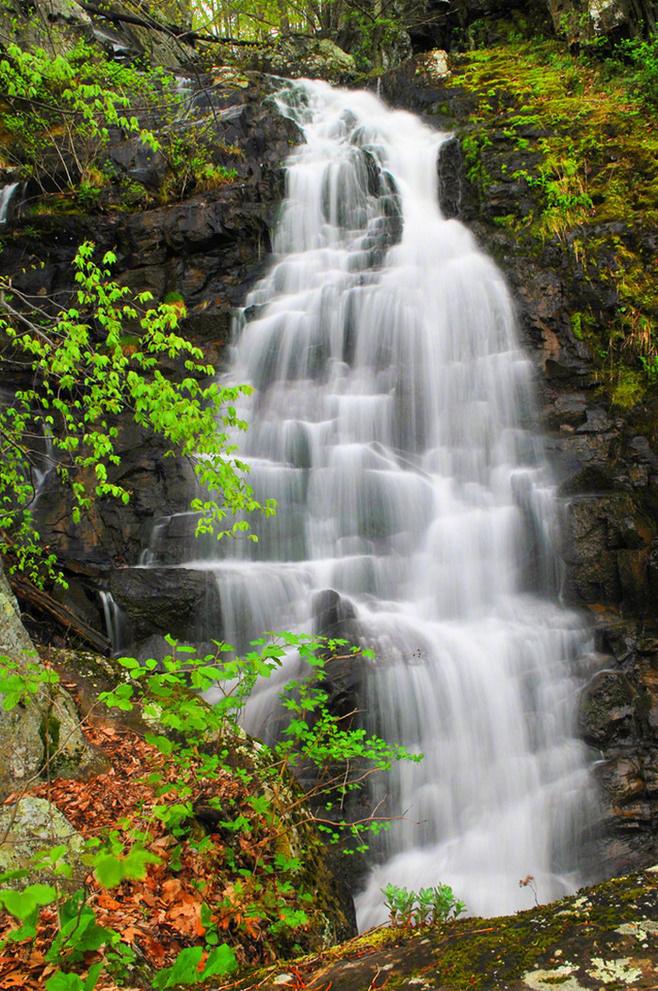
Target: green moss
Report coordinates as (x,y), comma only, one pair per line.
(473,146)
(49,733)
(590,164)
(628,389)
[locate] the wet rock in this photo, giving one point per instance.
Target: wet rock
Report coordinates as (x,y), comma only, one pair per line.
(606,546)
(334,616)
(179,601)
(450,169)
(606,707)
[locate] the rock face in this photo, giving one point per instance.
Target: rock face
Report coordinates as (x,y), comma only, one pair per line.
(582,20)
(208,248)
(458,24)
(182,602)
(602,937)
(41,735)
(297,56)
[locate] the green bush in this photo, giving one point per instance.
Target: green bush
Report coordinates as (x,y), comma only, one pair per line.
(201,747)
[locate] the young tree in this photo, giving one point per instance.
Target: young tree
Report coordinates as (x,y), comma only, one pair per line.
(88,366)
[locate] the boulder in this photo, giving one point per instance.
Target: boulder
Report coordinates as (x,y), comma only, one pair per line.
(180,601)
(31,826)
(41,736)
(315,58)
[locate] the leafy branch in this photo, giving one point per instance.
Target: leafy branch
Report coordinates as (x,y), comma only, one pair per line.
(93,362)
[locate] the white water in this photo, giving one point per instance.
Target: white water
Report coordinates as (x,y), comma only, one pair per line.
(6,195)
(115,623)
(393,422)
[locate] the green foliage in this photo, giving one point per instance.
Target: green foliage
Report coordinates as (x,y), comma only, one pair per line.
(473,145)
(190,166)
(73,982)
(63,111)
(637,59)
(421,908)
(84,377)
(60,109)
(627,388)
(371,32)
(201,746)
(188,969)
(168,694)
(650,366)
(20,683)
(566,200)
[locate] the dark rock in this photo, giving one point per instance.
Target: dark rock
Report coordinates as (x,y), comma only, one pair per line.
(450,168)
(178,601)
(606,707)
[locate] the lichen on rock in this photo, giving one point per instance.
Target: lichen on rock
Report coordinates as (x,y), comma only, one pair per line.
(31,826)
(40,736)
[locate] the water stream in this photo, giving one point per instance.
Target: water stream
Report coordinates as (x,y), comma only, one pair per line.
(394,422)
(7,194)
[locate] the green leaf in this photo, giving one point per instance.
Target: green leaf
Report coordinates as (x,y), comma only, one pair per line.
(91,980)
(66,982)
(184,970)
(22,904)
(221,960)
(108,870)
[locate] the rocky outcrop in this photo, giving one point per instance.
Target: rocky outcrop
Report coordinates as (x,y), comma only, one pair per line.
(297,57)
(602,937)
(40,734)
(181,602)
(207,248)
(57,25)
(463,24)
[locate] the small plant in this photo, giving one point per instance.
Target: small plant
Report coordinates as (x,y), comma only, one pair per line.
(400,904)
(529,882)
(421,908)
(650,366)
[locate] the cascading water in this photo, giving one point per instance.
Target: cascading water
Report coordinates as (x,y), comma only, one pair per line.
(7,194)
(393,422)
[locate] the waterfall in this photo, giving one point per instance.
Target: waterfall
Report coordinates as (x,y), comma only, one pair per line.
(115,621)
(7,194)
(394,421)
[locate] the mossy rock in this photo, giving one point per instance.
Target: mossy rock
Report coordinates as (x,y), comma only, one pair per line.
(40,736)
(602,937)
